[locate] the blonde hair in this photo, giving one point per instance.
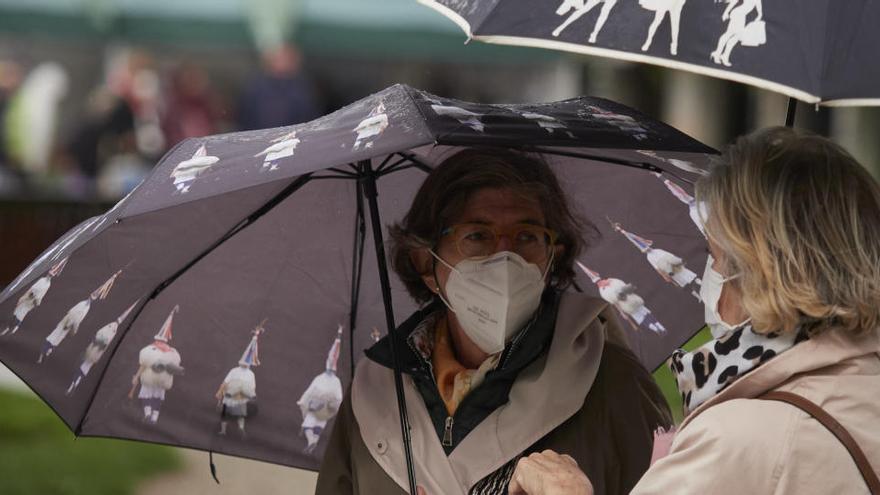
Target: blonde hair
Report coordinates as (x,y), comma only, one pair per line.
(799,219)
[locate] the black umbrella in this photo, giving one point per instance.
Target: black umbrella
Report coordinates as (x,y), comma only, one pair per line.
(821,51)
(244,259)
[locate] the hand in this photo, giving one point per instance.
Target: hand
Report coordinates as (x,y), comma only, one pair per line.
(549,473)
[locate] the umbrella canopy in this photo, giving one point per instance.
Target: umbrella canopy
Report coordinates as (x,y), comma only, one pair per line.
(821,51)
(221,304)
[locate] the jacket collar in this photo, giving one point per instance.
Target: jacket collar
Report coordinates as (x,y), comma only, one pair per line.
(562,376)
(825,349)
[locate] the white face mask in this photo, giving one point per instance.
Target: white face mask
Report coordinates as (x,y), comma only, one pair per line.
(710,293)
(493,297)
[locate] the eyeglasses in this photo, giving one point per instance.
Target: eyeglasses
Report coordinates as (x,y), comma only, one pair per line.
(532,242)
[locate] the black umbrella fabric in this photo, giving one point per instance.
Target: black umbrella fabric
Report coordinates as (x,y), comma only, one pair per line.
(820,51)
(220,305)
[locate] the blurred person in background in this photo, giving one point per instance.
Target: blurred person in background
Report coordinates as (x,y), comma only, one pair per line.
(191,107)
(281,94)
(119,137)
(10,79)
(31,118)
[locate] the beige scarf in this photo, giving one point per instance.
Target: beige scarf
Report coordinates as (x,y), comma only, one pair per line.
(454,380)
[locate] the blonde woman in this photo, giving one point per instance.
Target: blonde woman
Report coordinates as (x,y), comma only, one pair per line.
(794,229)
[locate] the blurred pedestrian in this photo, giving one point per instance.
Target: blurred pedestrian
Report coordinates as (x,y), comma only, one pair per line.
(281,94)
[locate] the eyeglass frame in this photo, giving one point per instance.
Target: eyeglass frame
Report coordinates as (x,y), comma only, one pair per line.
(552,235)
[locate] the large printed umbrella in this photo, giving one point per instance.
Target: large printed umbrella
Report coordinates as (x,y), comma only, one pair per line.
(221,305)
(818,51)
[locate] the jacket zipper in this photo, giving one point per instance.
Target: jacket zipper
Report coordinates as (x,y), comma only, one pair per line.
(447,433)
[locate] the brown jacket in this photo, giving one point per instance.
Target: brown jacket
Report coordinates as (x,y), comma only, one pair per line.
(587,396)
(736,444)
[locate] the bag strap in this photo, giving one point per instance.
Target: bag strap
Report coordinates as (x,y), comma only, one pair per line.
(835,428)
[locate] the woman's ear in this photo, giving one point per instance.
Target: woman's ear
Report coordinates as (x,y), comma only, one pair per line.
(423,262)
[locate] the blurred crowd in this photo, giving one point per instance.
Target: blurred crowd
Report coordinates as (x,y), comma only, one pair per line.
(137,110)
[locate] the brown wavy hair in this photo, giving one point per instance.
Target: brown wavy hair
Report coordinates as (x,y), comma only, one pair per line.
(446,190)
(799,219)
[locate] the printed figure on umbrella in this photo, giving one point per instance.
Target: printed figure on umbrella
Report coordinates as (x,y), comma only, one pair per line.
(675,162)
(237,395)
(74,317)
(158,364)
(580,7)
(97,347)
(625,123)
(623,297)
(281,147)
(661,9)
(464,117)
(740,30)
(687,199)
(321,401)
(546,122)
(188,170)
(669,266)
(31,299)
(371,127)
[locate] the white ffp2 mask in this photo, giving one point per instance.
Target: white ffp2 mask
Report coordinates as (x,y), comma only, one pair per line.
(710,293)
(493,297)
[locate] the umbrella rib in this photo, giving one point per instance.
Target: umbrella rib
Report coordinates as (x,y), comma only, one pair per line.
(343,172)
(387,159)
(382,169)
(250,219)
(417,163)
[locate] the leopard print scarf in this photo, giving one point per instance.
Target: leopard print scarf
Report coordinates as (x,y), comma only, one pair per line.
(709,369)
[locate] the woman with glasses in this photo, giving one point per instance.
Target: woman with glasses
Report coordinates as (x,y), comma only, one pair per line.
(502,360)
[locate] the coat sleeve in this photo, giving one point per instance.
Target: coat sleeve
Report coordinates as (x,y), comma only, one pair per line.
(738,446)
(638,409)
(635,408)
(335,476)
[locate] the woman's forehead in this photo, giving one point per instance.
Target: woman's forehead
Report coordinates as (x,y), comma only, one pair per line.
(501,206)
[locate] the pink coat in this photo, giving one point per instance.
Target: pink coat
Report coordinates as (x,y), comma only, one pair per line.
(735,444)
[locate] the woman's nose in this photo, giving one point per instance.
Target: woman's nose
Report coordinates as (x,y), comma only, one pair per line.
(503,244)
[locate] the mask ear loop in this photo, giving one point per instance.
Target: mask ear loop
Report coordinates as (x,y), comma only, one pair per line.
(436,284)
(549,265)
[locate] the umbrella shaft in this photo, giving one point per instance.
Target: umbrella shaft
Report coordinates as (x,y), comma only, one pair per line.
(368,182)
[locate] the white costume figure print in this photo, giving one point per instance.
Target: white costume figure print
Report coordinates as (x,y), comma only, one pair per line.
(669,266)
(548,123)
(464,117)
(581,7)
(372,126)
(32,298)
(97,347)
(661,8)
(679,164)
(53,253)
(158,364)
(186,171)
(320,402)
(625,123)
(622,296)
(739,29)
(74,317)
(282,147)
(375,335)
(688,200)
(239,388)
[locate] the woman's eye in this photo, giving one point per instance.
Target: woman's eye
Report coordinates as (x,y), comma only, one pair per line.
(526,237)
(476,236)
